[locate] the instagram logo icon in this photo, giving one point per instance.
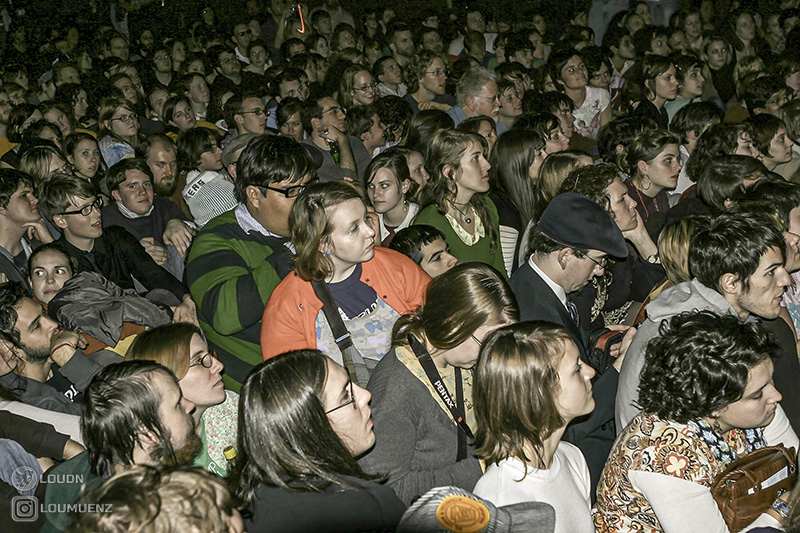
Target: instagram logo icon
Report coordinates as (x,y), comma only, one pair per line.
(24,509)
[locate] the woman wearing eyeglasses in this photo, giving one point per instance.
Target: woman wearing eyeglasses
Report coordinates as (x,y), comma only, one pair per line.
(370,287)
(357,87)
(304,423)
(119,129)
(422,389)
(182,348)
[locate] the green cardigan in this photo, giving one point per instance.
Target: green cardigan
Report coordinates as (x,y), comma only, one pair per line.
(481,251)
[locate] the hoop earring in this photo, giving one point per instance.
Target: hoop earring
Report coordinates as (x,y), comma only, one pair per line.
(649,183)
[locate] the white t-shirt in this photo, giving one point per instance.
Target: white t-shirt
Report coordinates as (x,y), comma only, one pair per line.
(565,486)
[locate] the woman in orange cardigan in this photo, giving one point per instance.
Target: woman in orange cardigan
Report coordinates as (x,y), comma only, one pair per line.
(371,287)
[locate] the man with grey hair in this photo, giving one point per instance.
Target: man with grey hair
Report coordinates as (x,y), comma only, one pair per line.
(476,95)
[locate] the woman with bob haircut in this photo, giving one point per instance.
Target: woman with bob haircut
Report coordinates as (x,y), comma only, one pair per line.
(119,129)
(357,87)
(303,423)
(516,160)
(707,399)
(370,285)
(419,444)
(654,165)
(771,139)
(454,200)
(721,139)
(592,104)
(530,383)
(658,79)
(182,348)
(389,186)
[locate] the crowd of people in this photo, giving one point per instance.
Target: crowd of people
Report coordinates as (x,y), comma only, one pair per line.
(273,266)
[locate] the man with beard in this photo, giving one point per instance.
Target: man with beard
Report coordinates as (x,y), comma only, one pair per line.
(48,368)
(401,43)
(134,413)
(161,155)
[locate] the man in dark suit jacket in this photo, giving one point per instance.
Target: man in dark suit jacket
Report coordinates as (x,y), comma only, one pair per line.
(568,248)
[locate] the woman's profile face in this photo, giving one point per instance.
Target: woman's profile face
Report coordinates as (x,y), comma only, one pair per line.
(745,146)
(202,385)
(575,384)
(756,408)
(348,410)
(487,131)
(665,168)
(536,164)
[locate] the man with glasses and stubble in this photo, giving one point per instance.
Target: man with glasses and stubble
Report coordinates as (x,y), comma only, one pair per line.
(240,256)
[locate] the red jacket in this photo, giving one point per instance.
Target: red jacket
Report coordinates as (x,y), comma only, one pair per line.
(290,316)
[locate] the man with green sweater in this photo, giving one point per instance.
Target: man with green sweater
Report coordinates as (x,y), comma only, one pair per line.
(239,257)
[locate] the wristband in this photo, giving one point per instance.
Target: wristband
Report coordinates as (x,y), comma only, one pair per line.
(63,344)
(781,507)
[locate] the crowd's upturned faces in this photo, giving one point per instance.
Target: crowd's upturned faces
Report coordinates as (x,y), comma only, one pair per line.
(575,384)
(745,27)
(433,41)
(776,101)
(536,165)
(573,74)
(163,163)
(124,124)
(211,159)
(376,135)
(488,132)
(693,83)
(242,35)
(78,226)
(665,86)
(252,122)
(294,89)
(257,56)
(136,192)
(364,88)
(59,118)
(81,105)
(293,127)
(757,406)
(22,208)
(487,101)
(119,48)
(557,142)
(678,41)
(352,240)
(35,330)
(693,26)
(436,258)
(767,285)
(792,237)
(273,207)
(198,90)
(472,175)
(162,61)
(157,100)
(385,192)
(351,423)
(664,169)
(404,44)
(780,148)
(49,271)
(128,89)
(510,103)
(717,54)
(229,66)
(601,78)
(332,114)
(183,116)
(435,77)
(622,206)
(202,386)
(626,49)
(392,73)
(416,167)
(745,146)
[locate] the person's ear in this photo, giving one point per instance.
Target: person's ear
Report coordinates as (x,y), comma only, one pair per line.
(253,195)
(730,283)
(447,171)
(405,185)
(59,221)
(316,124)
(115,195)
(564,255)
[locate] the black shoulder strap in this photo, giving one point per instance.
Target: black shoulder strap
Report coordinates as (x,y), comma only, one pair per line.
(281,257)
(352,360)
(456,408)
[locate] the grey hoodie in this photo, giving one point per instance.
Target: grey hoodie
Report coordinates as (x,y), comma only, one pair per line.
(687,296)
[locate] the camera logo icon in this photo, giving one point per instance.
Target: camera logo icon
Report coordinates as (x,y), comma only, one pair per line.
(24,509)
(24,478)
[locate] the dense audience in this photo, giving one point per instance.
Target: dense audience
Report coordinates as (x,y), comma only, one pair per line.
(317,266)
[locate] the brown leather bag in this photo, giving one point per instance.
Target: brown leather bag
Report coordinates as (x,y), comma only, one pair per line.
(745,489)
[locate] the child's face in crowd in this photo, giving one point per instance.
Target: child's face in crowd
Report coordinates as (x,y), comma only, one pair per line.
(49,271)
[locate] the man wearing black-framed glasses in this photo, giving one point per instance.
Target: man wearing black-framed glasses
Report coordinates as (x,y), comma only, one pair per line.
(239,257)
